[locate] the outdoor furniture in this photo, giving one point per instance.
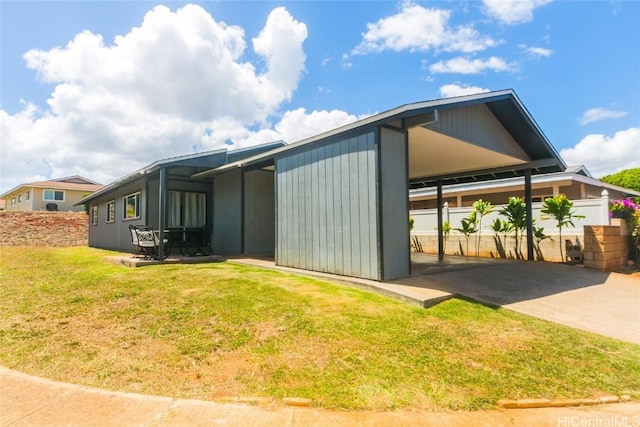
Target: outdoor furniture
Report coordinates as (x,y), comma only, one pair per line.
(190,240)
(134,238)
(147,243)
(148,240)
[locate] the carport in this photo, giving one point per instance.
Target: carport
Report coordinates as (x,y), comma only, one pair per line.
(340,199)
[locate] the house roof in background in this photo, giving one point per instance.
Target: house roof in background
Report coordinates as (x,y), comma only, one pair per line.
(575,173)
(75,182)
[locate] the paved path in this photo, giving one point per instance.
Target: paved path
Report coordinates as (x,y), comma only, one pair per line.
(591,300)
(31,401)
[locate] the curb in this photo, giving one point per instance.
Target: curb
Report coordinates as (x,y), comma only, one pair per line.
(556,403)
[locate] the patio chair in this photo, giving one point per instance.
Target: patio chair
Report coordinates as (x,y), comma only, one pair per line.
(134,238)
(147,242)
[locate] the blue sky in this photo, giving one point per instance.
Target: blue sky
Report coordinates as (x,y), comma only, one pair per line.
(101,88)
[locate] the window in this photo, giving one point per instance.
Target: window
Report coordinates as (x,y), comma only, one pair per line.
(187,209)
(27,195)
(13,201)
(54,195)
(19,198)
(111,211)
(131,206)
(94,215)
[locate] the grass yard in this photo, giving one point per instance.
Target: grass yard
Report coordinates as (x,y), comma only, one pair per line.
(211,331)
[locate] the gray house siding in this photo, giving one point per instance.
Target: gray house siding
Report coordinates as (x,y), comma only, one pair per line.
(326,208)
(259,213)
(115,235)
(478,125)
(227,213)
(394,201)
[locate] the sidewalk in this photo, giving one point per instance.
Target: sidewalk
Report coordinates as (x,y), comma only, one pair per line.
(32,401)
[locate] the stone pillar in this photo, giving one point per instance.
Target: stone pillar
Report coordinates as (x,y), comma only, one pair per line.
(605,246)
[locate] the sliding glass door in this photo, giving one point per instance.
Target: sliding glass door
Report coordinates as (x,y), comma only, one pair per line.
(187,209)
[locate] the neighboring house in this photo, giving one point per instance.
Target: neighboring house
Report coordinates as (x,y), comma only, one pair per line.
(336,202)
(588,195)
(54,195)
(575,182)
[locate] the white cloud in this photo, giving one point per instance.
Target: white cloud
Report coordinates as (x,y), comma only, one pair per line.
(514,11)
(298,124)
(604,155)
(596,114)
(416,28)
(462,65)
(177,83)
(536,52)
(452,90)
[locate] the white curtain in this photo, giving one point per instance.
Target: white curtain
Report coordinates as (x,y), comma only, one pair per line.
(174,209)
(194,209)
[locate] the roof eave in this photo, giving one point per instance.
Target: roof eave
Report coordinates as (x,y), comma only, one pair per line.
(394,114)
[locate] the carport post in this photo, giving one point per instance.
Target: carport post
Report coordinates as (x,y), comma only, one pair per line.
(527,201)
(440,224)
(162,206)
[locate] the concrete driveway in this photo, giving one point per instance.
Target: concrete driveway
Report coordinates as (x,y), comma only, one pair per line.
(591,300)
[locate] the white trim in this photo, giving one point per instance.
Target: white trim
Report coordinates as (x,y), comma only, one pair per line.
(93,215)
(44,197)
(113,203)
(137,207)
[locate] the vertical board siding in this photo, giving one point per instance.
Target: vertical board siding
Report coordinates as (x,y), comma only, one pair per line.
(259,213)
(477,124)
(394,195)
(327,218)
(227,213)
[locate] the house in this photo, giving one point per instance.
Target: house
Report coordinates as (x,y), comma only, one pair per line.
(337,202)
(54,195)
(167,186)
(575,182)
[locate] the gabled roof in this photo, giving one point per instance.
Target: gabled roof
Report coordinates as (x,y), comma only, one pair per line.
(205,160)
(504,105)
(75,182)
(76,179)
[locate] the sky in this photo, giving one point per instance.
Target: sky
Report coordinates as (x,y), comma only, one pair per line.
(102,88)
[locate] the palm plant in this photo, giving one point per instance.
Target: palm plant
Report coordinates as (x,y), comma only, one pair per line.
(468,227)
(559,208)
(516,213)
(539,236)
(446,229)
(500,226)
(481,209)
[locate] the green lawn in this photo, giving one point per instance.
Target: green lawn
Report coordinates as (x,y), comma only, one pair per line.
(211,331)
